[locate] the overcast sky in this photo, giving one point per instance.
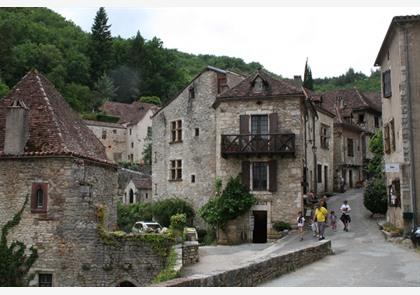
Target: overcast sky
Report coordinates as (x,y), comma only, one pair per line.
(280,38)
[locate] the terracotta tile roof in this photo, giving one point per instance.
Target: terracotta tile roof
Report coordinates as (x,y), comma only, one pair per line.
(103,124)
(145,183)
(272,87)
(128,113)
(54,129)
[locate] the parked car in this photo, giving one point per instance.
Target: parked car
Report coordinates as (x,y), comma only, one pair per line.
(146,227)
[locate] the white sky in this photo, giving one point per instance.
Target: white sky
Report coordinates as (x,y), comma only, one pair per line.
(280,38)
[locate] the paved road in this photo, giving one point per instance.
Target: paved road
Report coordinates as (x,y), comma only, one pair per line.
(362,256)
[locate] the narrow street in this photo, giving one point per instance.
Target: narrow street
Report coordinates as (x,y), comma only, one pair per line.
(362,256)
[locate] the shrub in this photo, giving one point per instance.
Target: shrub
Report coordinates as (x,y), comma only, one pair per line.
(281,226)
(234,201)
(178,221)
(164,209)
(128,214)
(375,197)
(389,227)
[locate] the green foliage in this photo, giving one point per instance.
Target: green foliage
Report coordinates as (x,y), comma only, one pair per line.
(350,79)
(376,165)
(4,89)
(147,149)
(234,201)
(105,86)
(14,264)
(375,196)
(281,226)
(308,82)
(389,227)
(100,45)
(168,273)
(151,99)
(129,214)
(164,209)
(178,221)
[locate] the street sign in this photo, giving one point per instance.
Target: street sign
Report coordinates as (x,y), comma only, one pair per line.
(392,167)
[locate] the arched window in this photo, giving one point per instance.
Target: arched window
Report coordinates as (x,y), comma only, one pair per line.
(131,193)
(39,198)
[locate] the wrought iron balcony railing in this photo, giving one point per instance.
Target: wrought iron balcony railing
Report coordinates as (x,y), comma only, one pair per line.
(258,144)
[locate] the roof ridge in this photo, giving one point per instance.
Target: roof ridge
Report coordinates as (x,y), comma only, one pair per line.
(52,111)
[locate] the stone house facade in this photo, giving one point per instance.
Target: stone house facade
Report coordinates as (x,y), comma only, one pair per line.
(47,154)
(399,62)
(126,139)
(184,140)
(138,191)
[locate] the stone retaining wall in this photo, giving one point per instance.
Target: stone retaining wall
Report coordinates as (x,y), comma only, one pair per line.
(190,253)
(258,272)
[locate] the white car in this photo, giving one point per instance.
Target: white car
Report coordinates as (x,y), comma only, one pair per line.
(146,227)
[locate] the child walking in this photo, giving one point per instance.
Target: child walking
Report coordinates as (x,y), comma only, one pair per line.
(333,219)
(300,224)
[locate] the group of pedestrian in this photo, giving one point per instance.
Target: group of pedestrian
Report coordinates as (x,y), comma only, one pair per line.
(322,218)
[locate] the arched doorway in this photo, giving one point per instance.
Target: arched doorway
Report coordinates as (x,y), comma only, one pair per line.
(126,284)
(131,196)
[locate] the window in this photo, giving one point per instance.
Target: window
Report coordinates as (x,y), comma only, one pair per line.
(176,170)
(176,131)
(155,157)
(131,196)
(149,132)
(132,145)
(155,188)
(131,157)
(319,173)
(350,147)
(259,124)
(392,134)
(325,135)
(114,131)
(376,122)
(221,83)
(130,131)
(197,131)
(146,195)
(259,176)
(361,119)
(193,178)
(387,143)
(39,197)
(386,84)
(44,280)
(191,92)
(103,134)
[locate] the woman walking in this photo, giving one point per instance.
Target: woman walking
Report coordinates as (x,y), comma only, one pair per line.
(345,215)
(321,217)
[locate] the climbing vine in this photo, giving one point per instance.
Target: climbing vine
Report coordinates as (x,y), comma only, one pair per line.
(160,243)
(14,264)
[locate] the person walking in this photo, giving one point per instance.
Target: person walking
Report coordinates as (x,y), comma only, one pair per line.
(300,223)
(321,216)
(324,202)
(345,215)
(333,221)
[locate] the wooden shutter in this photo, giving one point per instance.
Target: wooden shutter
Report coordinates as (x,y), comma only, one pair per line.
(386,139)
(244,124)
(272,174)
(274,121)
(245,174)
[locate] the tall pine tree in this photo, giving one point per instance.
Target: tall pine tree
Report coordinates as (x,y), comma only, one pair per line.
(308,82)
(100,46)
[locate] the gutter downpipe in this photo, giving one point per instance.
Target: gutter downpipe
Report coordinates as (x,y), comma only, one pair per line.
(410,128)
(315,161)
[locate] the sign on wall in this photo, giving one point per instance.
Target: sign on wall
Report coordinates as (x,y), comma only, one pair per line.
(392,167)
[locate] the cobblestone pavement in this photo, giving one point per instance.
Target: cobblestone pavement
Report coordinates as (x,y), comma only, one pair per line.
(362,256)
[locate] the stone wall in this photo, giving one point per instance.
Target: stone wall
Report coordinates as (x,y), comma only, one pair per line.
(115,140)
(136,141)
(190,254)
(66,236)
(258,272)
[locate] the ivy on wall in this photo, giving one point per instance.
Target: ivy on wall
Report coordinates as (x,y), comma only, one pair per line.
(14,263)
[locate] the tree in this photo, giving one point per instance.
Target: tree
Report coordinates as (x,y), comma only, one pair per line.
(151,99)
(137,51)
(100,45)
(105,86)
(307,77)
(3,89)
(376,165)
(14,264)
(147,151)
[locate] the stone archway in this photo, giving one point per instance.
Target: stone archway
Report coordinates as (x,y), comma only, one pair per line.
(126,284)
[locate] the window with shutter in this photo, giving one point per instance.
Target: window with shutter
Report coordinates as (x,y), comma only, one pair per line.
(259,176)
(244,124)
(386,139)
(392,135)
(386,83)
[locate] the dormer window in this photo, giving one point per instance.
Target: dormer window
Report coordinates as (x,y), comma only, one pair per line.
(258,85)
(191,92)
(39,197)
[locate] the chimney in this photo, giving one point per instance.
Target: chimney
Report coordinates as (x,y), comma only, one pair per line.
(17,130)
(298,80)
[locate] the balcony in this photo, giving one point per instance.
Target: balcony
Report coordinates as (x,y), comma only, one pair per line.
(258,144)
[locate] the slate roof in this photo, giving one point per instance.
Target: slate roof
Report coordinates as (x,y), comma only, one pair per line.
(54,128)
(128,113)
(272,87)
(145,183)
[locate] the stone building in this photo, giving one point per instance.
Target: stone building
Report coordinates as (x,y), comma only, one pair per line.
(126,139)
(47,154)
(357,117)
(224,125)
(138,191)
(184,139)
(399,62)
